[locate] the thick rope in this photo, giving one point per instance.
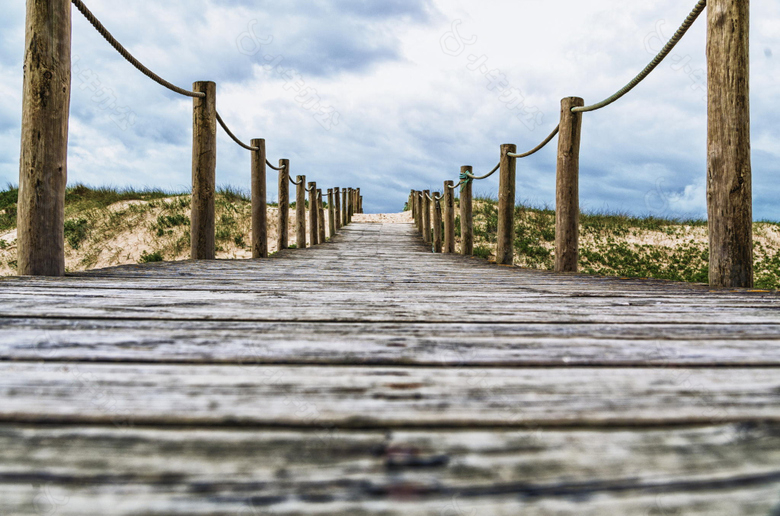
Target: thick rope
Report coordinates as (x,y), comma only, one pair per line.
(135,62)
(233,136)
(472,177)
(538,147)
(273,167)
(653,64)
(296,183)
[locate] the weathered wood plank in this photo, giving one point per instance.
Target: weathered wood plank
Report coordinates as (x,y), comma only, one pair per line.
(381,397)
(104,470)
(452,344)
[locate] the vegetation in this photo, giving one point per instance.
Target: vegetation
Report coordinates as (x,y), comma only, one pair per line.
(616,244)
(109,226)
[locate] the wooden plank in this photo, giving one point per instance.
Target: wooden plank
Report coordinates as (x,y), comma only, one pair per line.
(729,470)
(381,397)
(452,344)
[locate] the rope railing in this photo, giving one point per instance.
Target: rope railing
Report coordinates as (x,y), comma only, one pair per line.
(128,56)
(653,64)
(233,136)
(206,116)
(539,147)
(729,207)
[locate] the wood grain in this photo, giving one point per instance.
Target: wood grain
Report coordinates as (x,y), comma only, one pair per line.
(370,376)
(44,139)
(505,248)
(204,169)
(466,215)
(259,201)
(567,187)
(729,174)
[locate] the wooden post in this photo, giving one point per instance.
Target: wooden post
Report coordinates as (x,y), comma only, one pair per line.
(449,217)
(437,225)
(331,214)
(567,196)
(410,205)
(337,199)
(426,217)
(44,150)
(729,170)
(418,204)
(505,251)
(321,218)
(345,206)
(259,201)
(466,215)
(283,233)
(357,201)
(313,212)
(300,212)
(204,170)
(351,205)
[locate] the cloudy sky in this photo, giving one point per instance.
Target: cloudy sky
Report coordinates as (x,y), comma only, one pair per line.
(390,95)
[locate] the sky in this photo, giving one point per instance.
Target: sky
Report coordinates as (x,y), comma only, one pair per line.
(393,95)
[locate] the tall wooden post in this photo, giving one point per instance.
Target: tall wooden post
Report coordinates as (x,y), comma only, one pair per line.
(729,170)
(44,150)
(321,218)
(449,217)
(204,170)
(505,251)
(331,214)
(426,217)
(567,196)
(437,225)
(410,204)
(419,202)
(283,233)
(259,201)
(337,199)
(345,207)
(300,212)
(466,215)
(357,201)
(314,233)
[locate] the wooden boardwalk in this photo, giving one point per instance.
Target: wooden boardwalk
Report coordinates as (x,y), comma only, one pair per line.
(369,376)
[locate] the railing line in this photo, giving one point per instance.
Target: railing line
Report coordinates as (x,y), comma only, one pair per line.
(128,56)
